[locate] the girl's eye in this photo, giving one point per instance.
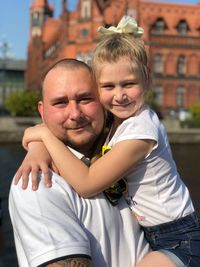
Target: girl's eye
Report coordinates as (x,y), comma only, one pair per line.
(130,84)
(107,86)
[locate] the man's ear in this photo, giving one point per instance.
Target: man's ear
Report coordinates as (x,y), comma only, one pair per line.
(40,109)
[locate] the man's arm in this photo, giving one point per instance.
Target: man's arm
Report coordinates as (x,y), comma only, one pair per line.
(73,262)
(1,232)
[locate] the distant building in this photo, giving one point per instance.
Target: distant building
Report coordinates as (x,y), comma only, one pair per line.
(12,77)
(172,36)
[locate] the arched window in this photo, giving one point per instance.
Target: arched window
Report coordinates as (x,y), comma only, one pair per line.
(35,19)
(180,96)
(181,65)
(158,65)
(158,94)
(159,26)
(182,27)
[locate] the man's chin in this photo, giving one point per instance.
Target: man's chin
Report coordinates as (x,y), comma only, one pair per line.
(79,142)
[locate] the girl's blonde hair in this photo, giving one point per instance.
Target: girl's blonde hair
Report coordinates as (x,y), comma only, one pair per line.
(115,46)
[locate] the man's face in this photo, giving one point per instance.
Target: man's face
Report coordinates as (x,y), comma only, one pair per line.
(71,108)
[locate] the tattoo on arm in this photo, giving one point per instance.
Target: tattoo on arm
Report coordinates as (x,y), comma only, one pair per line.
(73,262)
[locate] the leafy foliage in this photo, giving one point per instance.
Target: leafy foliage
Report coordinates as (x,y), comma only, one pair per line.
(195,110)
(194,121)
(23,103)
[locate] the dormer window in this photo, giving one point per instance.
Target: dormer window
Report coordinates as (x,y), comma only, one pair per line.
(159,26)
(182,27)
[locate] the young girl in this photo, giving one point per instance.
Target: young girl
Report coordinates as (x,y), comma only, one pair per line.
(138,150)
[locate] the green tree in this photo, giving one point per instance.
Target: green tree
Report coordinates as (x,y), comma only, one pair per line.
(22,103)
(194,121)
(195,111)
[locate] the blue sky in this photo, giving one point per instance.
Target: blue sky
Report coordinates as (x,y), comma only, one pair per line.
(14,23)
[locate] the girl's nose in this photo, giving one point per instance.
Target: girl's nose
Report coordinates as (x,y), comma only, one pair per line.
(120,95)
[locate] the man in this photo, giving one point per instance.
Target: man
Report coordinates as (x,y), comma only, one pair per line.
(1,237)
(53,226)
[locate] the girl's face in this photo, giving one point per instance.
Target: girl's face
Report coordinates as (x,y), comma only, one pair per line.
(119,89)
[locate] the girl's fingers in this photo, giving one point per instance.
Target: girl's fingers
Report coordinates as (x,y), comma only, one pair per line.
(25,178)
(47,175)
(18,175)
(35,177)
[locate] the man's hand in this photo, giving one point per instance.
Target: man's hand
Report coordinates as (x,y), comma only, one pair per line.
(36,160)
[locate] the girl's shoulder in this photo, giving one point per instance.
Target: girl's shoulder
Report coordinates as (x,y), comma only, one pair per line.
(144,125)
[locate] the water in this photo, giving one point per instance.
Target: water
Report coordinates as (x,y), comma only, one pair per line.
(10,157)
(186,156)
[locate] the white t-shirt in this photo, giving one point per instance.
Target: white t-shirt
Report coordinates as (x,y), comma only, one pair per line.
(53,223)
(156,193)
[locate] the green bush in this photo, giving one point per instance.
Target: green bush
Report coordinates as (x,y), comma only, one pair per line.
(23,103)
(195,110)
(194,121)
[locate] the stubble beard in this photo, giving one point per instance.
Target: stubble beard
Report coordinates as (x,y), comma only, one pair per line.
(83,146)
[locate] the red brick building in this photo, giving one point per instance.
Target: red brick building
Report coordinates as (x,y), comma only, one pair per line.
(172,36)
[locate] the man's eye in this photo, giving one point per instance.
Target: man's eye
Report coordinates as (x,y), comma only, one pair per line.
(60,103)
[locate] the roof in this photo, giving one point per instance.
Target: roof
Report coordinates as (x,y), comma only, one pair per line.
(51,31)
(13,64)
(42,3)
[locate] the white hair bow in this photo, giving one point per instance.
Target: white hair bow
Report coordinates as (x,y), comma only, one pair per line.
(126,25)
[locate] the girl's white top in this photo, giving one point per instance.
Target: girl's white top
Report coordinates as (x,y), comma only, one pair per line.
(156,193)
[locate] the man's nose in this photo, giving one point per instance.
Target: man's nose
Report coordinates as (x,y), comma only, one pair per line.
(74,111)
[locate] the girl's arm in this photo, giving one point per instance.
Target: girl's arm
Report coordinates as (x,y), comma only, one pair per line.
(37,159)
(102,173)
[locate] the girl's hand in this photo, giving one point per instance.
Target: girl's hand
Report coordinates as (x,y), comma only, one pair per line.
(36,160)
(35,133)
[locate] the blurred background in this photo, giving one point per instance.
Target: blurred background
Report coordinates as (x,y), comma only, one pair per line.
(34,34)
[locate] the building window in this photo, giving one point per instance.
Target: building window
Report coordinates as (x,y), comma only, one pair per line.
(84,56)
(181,65)
(35,19)
(84,32)
(158,66)
(86,9)
(80,56)
(159,26)
(180,96)
(182,27)
(51,50)
(158,94)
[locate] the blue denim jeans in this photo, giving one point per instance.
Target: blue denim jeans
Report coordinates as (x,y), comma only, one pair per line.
(181,237)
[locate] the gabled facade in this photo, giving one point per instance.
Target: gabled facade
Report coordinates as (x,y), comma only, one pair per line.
(172,37)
